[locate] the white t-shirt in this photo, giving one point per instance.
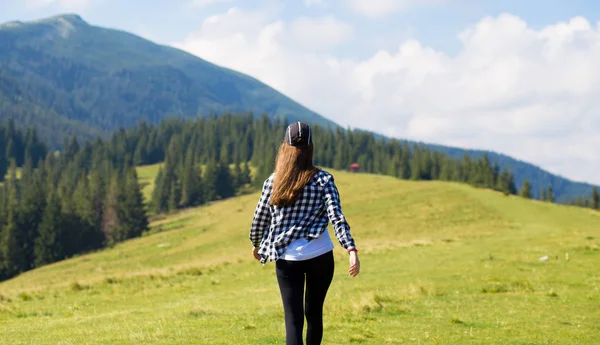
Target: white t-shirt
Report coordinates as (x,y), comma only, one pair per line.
(302,249)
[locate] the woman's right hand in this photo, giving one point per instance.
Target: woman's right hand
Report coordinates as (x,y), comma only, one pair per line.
(255,253)
(354,264)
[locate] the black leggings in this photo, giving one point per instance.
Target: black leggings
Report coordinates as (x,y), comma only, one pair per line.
(291,275)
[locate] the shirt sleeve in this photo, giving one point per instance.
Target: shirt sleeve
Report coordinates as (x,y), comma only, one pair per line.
(335,215)
(262,215)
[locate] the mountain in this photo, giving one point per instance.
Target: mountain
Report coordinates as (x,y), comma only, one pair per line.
(65,76)
(69,76)
(562,188)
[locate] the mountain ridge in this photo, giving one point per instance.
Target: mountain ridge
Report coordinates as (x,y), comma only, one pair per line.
(76,56)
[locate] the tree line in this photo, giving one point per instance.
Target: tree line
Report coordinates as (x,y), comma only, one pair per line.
(18,146)
(87,195)
(589,200)
(236,140)
(64,203)
(217,141)
(182,182)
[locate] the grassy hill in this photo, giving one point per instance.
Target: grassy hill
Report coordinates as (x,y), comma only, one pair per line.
(442,263)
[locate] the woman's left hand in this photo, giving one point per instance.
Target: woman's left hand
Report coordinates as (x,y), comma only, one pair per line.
(255,254)
(354,264)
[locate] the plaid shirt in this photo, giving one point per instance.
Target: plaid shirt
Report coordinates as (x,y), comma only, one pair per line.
(275,227)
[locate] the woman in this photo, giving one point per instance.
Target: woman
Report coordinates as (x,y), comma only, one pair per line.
(290,228)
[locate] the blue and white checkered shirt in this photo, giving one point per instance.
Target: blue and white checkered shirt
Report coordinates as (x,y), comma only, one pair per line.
(275,227)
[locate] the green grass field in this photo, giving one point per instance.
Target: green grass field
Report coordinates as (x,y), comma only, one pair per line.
(146,176)
(442,263)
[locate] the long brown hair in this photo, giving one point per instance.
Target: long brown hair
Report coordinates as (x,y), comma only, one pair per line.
(293,170)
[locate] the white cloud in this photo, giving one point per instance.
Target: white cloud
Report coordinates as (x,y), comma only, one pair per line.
(69,5)
(528,93)
(202,3)
(380,8)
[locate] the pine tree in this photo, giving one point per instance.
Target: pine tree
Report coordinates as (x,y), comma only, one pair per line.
(510,183)
(265,167)
(595,199)
(339,161)
(48,246)
(160,194)
(174,197)
(482,177)
(246,174)
(87,214)
(140,155)
(405,158)
(225,184)
(191,182)
(526,190)
(393,166)
(173,184)
(3,162)
(132,212)
(587,202)
(210,181)
(13,182)
(246,146)
(15,147)
(327,149)
(34,149)
(550,194)
(502,183)
(71,148)
(446,170)
(415,165)
(97,195)
(436,165)
(33,205)
(544,195)
(167,188)
(198,197)
(11,150)
(225,154)
(487,170)
(111,222)
(237,176)
(11,241)
(187,176)
(495,174)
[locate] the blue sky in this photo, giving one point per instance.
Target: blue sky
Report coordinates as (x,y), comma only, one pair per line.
(517,77)
(434,24)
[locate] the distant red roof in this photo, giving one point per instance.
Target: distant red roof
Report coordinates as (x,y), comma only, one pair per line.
(354,165)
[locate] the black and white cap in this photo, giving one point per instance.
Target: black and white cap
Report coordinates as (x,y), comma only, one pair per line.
(298,134)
